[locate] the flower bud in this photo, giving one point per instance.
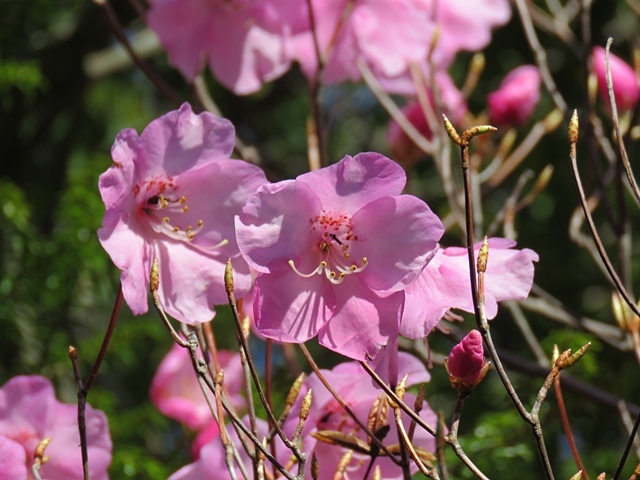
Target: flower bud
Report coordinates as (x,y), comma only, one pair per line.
(466,365)
(516,98)
(625,83)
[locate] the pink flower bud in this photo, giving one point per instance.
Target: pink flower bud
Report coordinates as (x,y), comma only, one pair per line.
(625,83)
(516,99)
(466,361)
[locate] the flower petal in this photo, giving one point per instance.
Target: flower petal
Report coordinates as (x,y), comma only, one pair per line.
(116,183)
(12,464)
(363,320)
(192,282)
(289,308)
(398,236)
(181,140)
(126,246)
(274,226)
(352,183)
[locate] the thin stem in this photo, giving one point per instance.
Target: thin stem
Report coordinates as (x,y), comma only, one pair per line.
(314,133)
(300,456)
(540,55)
(84,387)
(594,231)
(627,448)
(452,439)
(116,27)
(616,126)
(567,428)
(82,404)
(406,408)
(343,404)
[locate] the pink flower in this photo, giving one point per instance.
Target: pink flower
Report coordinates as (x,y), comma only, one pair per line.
(29,413)
(211,463)
(466,360)
(243,41)
(357,390)
(445,284)
(176,392)
(455,106)
(349,31)
(516,99)
(625,82)
(335,248)
(171,194)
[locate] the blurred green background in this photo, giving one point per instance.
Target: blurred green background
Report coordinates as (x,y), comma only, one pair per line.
(58,118)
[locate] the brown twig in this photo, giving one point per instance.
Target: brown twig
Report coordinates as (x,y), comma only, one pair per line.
(228,279)
(343,404)
(573,139)
(116,27)
(567,427)
(85,387)
(540,55)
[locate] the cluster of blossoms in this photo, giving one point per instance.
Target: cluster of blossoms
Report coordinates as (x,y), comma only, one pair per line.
(338,253)
(246,43)
(31,418)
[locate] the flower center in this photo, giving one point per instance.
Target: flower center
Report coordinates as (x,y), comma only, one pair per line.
(168,212)
(335,238)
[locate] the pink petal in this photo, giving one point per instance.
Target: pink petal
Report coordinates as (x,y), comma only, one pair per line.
(247,48)
(399,236)
(182,25)
(64,449)
(218,190)
(12,464)
(274,226)
(180,140)
(289,308)
(356,181)
(408,29)
(362,322)
(192,282)
(126,246)
(115,184)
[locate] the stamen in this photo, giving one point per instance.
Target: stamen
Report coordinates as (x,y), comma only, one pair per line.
(318,270)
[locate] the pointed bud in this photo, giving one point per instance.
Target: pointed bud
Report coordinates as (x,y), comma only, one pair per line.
(377,473)
(228,277)
(625,83)
(577,476)
(451,131)
(483,257)
(516,98)
(154,276)
(574,127)
(314,467)
(466,364)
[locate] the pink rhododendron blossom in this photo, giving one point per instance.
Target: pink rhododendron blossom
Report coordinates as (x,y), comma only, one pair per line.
(172,194)
(243,41)
(516,98)
(357,390)
(390,35)
(625,83)
(30,413)
(335,248)
(454,104)
(445,284)
(176,392)
(211,463)
(467,358)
